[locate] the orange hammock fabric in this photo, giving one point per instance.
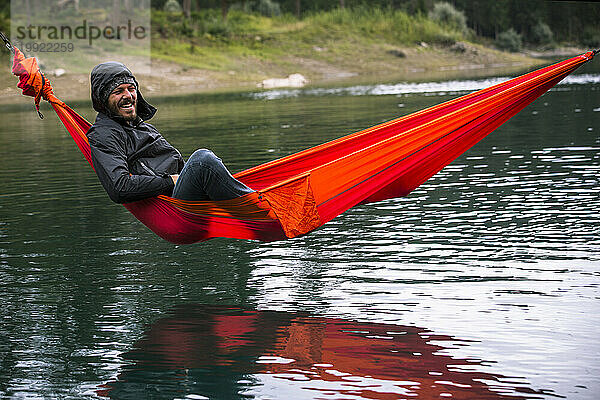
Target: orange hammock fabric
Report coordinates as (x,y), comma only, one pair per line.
(298,193)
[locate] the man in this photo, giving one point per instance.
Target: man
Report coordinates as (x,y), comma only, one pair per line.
(132,159)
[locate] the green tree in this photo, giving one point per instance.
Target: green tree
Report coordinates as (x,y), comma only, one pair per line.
(172,6)
(509,40)
(541,34)
(447,14)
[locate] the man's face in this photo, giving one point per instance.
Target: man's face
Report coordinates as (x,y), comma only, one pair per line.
(123,101)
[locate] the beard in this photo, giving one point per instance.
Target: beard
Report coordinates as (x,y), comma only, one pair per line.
(124,108)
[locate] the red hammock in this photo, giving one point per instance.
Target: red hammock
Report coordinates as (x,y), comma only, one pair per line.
(298,193)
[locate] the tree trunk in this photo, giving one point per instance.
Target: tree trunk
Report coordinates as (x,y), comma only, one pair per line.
(116,11)
(298,9)
(28,10)
(224,9)
(341,3)
(187,8)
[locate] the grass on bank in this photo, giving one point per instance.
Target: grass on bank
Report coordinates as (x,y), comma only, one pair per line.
(343,37)
(362,45)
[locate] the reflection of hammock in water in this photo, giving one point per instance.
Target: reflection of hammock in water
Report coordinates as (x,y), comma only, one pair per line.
(226,351)
(300,192)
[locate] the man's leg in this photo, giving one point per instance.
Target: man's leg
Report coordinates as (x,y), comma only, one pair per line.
(204,177)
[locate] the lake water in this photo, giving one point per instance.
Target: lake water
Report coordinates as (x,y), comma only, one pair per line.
(481,284)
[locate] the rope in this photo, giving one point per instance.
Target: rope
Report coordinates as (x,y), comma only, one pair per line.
(39,96)
(7,43)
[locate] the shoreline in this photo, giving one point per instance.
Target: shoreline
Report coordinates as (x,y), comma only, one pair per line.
(417,64)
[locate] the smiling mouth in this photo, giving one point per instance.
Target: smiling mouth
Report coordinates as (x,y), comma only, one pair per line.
(127,106)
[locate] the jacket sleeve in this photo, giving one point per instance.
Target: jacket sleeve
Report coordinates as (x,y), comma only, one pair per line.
(110,162)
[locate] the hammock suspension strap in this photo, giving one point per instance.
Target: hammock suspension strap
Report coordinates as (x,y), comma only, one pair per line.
(7,43)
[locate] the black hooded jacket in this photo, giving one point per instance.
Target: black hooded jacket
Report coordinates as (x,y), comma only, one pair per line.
(132,159)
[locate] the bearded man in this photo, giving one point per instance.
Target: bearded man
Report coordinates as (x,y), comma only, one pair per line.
(133,160)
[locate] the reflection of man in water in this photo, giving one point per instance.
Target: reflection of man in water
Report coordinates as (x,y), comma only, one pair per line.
(227,353)
(132,159)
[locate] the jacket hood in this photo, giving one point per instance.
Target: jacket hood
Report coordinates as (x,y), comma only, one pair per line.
(106,74)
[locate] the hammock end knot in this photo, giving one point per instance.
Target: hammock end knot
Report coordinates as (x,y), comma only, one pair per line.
(32,81)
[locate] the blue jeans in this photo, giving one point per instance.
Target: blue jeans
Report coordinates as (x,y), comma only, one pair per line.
(204,177)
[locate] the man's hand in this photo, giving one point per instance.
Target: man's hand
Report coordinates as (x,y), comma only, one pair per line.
(174,177)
